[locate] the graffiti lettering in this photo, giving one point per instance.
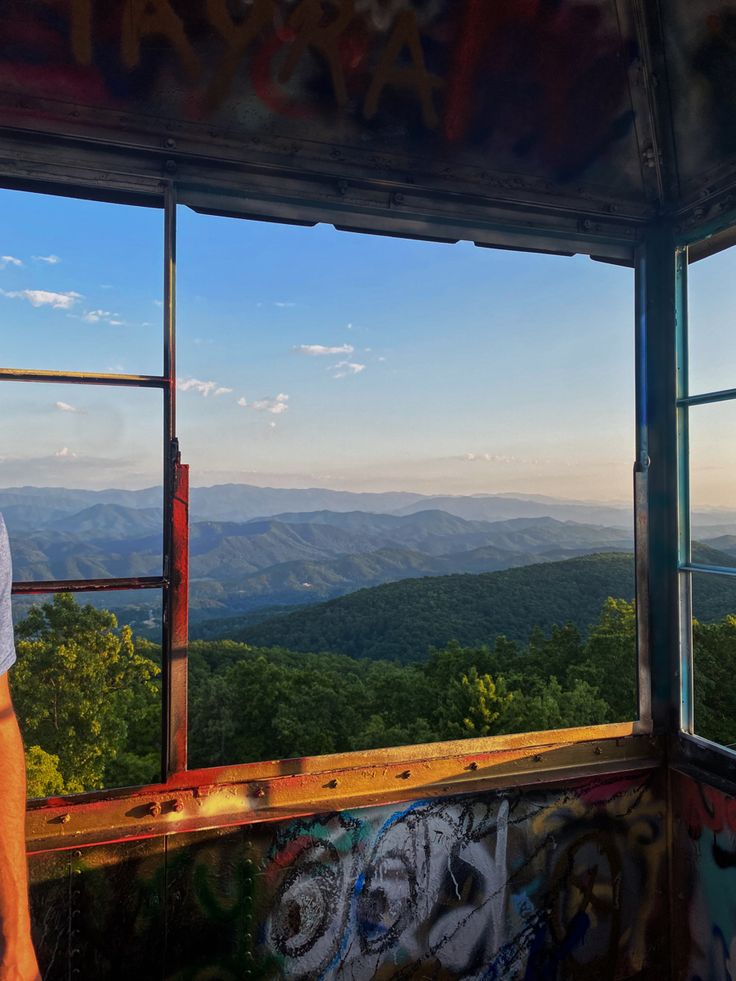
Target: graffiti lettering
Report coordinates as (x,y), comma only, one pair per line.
(391,74)
(239,36)
(155,18)
(82,31)
(307,24)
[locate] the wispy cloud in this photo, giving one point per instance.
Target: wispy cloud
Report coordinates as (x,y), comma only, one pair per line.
(343,369)
(50,260)
(158,303)
(9,260)
(501,458)
(204,388)
(65,454)
(283,305)
(66,407)
(320,350)
(277,406)
(94,316)
(45,298)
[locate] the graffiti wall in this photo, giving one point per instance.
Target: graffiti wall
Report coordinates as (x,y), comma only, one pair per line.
(704,886)
(526,884)
(526,87)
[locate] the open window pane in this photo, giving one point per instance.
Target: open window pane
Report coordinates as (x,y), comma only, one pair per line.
(714,657)
(411,515)
(712,487)
(81,480)
(80,285)
(711,322)
(87,690)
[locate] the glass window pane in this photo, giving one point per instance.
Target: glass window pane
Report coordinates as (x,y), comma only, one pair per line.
(87,690)
(401,452)
(712,486)
(711,320)
(81,475)
(714,657)
(80,285)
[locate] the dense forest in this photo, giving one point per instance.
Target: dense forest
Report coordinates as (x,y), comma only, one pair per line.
(87,693)
(400,621)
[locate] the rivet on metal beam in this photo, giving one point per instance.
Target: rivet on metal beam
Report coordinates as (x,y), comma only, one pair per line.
(598,751)
(65,818)
(331,783)
(473,765)
(178,806)
(259,792)
(154,809)
(405,775)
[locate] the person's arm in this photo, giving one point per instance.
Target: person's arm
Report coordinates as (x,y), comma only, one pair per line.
(17,957)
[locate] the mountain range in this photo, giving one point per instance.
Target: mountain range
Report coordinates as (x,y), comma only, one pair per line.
(254,548)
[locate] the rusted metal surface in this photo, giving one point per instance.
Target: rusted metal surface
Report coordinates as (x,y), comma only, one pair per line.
(178,611)
(529,99)
(545,882)
(82,378)
(44,586)
(253,793)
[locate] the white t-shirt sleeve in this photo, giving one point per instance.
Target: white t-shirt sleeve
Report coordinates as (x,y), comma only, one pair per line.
(7,642)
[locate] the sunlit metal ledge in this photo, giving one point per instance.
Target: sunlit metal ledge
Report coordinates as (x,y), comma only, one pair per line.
(198,800)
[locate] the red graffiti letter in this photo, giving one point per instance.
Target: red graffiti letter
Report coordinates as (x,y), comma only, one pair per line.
(310,32)
(404,35)
(146,18)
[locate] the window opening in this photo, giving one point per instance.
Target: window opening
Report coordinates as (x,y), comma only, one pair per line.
(149,585)
(397,446)
(707,519)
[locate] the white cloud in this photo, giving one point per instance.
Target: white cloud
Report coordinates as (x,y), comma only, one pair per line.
(94,316)
(319,350)
(345,368)
(276,406)
(499,458)
(44,298)
(65,454)
(9,260)
(116,323)
(65,407)
(282,305)
(204,388)
(52,260)
(158,303)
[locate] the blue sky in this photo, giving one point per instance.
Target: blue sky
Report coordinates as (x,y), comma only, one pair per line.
(313,357)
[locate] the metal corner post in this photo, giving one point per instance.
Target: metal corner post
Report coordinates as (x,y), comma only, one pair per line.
(657,300)
(176,523)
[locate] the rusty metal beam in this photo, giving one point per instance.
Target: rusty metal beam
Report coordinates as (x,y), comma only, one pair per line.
(227,796)
(175,618)
(41,586)
(82,378)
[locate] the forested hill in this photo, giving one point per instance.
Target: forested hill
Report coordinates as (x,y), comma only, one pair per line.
(401,621)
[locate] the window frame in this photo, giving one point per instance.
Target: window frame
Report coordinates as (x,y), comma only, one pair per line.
(691,750)
(467,763)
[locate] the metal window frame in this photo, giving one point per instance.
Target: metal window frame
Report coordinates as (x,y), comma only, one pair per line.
(441,767)
(173,582)
(687,748)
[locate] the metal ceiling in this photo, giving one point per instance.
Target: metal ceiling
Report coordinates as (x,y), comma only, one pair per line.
(536,123)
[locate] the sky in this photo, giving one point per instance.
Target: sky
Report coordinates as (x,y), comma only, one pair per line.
(312,357)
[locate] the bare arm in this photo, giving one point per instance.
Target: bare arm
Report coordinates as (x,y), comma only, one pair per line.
(17,957)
